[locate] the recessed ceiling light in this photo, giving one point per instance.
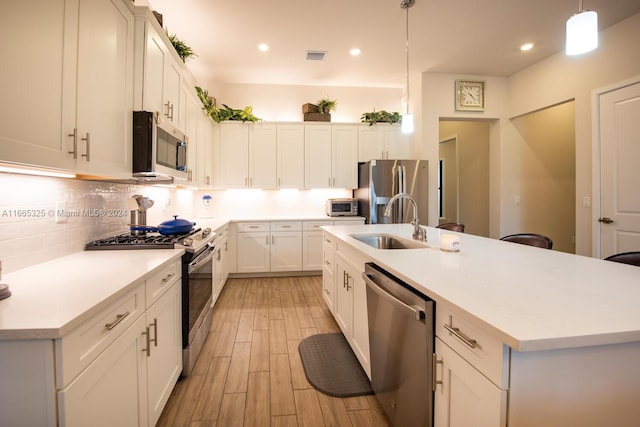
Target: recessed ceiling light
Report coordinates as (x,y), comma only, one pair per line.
(527,46)
(263,47)
(355,51)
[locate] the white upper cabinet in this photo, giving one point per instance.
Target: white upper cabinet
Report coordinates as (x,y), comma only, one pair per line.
(248,155)
(234,153)
(25,88)
(331,156)
(86,49)
(195,140)
(317,156)
(383,141)
(205,167)
(162,77)
(290,156)
(344,156)
(262,155)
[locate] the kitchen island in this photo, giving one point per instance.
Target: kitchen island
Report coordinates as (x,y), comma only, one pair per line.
(556,337)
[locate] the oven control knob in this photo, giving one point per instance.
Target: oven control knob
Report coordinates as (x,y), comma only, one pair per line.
(206,232)
(188,241)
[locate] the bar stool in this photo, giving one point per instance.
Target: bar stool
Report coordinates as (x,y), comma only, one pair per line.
(452,226)
(530,239)
(631,258)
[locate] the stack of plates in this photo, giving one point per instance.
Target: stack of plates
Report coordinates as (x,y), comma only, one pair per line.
(4,291)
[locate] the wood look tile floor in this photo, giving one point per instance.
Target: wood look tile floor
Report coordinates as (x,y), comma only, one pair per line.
(249,372)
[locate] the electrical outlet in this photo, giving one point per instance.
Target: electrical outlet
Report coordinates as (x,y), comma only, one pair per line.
(516,200)
(586,201)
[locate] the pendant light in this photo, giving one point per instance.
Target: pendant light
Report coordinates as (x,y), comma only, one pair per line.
(582,32)
(407,125)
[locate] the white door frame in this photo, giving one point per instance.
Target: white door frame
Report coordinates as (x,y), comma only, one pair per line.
(596,160)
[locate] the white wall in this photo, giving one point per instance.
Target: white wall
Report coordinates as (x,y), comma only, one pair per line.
(560,78)
(438,96)
(552,81)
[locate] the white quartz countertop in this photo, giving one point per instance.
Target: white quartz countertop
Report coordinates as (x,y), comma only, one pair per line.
(530,298)
(50,299)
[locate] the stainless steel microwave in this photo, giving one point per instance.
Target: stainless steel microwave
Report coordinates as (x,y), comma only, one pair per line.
(342,207)
(159,150)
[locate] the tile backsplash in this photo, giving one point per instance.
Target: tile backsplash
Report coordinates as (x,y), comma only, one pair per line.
(45,218)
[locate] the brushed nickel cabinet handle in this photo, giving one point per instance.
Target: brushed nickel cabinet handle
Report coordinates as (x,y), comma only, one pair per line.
(434,371)
(148,341)
(87,154)
(74,135)
(462,337)
(119,318)
(154,340)
(168,277)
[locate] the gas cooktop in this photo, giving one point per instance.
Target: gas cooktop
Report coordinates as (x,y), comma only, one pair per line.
(192,240)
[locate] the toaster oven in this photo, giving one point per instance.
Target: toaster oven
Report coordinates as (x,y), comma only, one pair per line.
(342,207)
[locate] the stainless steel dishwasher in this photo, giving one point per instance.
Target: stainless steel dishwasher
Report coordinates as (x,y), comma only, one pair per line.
(401,341)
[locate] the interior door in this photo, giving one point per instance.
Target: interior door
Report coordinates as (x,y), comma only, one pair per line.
(619,220)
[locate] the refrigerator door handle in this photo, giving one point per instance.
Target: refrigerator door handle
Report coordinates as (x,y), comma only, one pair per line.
(402,186)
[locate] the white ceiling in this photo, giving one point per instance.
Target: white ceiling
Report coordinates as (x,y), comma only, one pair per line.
(475,37)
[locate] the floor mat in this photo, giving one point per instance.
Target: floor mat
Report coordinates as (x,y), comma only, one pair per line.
(331,367)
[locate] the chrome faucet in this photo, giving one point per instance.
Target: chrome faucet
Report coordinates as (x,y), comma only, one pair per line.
(419,233)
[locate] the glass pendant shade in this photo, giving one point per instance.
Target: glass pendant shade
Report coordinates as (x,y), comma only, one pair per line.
(406,126)
(582,33)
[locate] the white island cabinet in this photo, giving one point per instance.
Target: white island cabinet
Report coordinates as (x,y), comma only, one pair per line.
(107,357)
(525,337)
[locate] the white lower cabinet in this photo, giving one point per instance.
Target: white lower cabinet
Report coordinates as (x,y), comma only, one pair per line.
(112,390)
(253,240)
(312,244)
(220,262)
(350,305)
(465,397)
(286,249)
(163,350)
(137,372)
(328,271)
(269,247)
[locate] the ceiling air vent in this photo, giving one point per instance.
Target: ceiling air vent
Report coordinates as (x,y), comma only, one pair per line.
(315,55)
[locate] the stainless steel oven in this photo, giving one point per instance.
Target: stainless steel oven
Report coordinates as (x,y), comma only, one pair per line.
(197,276)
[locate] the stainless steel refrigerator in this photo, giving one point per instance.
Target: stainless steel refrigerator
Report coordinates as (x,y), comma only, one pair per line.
(379,180)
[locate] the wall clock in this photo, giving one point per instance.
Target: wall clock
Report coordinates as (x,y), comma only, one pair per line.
(470,95)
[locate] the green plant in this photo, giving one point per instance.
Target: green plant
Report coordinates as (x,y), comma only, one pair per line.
(381,116)
(184,51)
(226,113)
(326,105)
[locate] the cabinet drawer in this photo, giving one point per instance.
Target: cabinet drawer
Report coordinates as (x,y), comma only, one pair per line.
(478,347)
(328,258)
(76,350)
(315,225)
(286,226)
(162,280)
(244,227)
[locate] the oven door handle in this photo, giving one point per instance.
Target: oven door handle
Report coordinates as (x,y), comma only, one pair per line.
(203,258)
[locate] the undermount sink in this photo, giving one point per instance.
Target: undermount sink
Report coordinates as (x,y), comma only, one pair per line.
(387,241)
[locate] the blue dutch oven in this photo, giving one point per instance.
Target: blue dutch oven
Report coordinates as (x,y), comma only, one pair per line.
(175,226)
